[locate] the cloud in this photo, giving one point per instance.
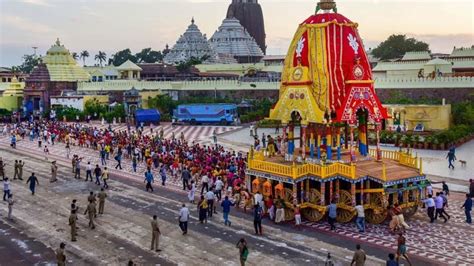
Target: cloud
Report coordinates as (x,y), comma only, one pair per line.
(24,24)
(37,2)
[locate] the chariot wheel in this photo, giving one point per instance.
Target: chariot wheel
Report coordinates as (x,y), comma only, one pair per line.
(312,214)
(376,211)
(314,196)
(408,212)
(345,197)
(345,214)
(288,198)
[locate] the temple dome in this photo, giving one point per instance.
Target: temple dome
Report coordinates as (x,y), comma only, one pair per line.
(192,43)
(233,39)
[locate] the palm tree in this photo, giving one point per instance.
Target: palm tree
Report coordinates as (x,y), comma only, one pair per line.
(101,57)
(75,56)
(84,55)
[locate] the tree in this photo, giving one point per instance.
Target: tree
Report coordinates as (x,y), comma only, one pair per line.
(185,66)
(101,57)
(29,62)
(147,55)
(163,102)
(84,54)
(397,45)
(121,57)
(75,56)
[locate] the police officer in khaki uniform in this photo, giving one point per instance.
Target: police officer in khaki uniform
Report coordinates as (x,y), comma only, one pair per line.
(91,210)
(60,256)
(20,169)
(93,199)
(102,195)
(72,223)
(54,172)
(15,175)
(155,231)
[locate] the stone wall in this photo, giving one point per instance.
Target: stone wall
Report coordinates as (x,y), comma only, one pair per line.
(451,95)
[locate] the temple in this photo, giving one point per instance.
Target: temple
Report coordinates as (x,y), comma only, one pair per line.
(192,44)
(327,104)
(233,39)
(250,15)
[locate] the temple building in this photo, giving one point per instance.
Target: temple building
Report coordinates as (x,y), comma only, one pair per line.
(233,39)
(12,96)
(57,73)
(250,15)
(191,44)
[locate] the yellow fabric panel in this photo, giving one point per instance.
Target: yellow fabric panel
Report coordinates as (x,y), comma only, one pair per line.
(317,37)
(288,64)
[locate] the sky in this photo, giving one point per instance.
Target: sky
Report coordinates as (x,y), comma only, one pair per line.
(113,25)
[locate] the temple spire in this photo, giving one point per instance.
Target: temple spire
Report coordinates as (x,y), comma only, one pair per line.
(192,20)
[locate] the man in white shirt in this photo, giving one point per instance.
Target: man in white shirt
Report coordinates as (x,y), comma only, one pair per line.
(183,219)
(439,202)
(205,183)
(429,189)
(6,188)
(360,220)
(210,202)
(258,199)
(88,171)
(219,185)
(430,205)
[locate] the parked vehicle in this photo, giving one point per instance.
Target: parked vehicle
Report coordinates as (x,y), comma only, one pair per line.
(223,114)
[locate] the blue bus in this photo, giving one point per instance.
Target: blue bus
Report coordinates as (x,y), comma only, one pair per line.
(221,113)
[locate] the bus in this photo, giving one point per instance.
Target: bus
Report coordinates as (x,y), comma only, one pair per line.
(221,113)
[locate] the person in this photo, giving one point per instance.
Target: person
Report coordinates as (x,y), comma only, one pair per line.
(226,204)
(451,158)
(91,211)
(54,172)
(258,199)
(445,204)
(155,234)
(192,191)
(204,183)
(105,177)
(297,215)
(102,195)
(97,172)
(89,171)
(163,174)
(10,206)
(33,180)
(332,214)
(257,219)
(218,188)
(77,172)
(118,158)
(6,188)
(467,208)
(280,210)
(72,224)
(202,209)
(270,207)
(60,256)
(445,188)
(210,201)
(185,176)
(397,210)
(183,218)
(148,179)
(402,249)
(91,197)
(20,169)
(471,187)
(2,168)
(15,175)
(360,220)
(264,140)
(328,261)
(439,202)
(243,251)
(430,204)
(391,260)
(359,256)
(429,189)
(134,163)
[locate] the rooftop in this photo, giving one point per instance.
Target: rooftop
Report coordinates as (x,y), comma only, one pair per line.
(462,52)
(422,55)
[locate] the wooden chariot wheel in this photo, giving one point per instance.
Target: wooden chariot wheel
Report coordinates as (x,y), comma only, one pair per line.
(289,212)
(376,212)
(310,213)
(408,212)
(345,211)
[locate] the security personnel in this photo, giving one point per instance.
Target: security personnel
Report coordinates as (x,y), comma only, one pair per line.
(60,256)
(155,231)
(92,198)
(91,210)
(102,195)
(72,223)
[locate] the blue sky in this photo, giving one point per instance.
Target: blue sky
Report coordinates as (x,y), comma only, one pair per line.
(112,25)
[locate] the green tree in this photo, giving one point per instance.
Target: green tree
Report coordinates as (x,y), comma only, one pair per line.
(94,107)
(75,56)
(164,103)
(147,55)
(84,54)
(100,57)
(121,57)
(29,62)
(397,45)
